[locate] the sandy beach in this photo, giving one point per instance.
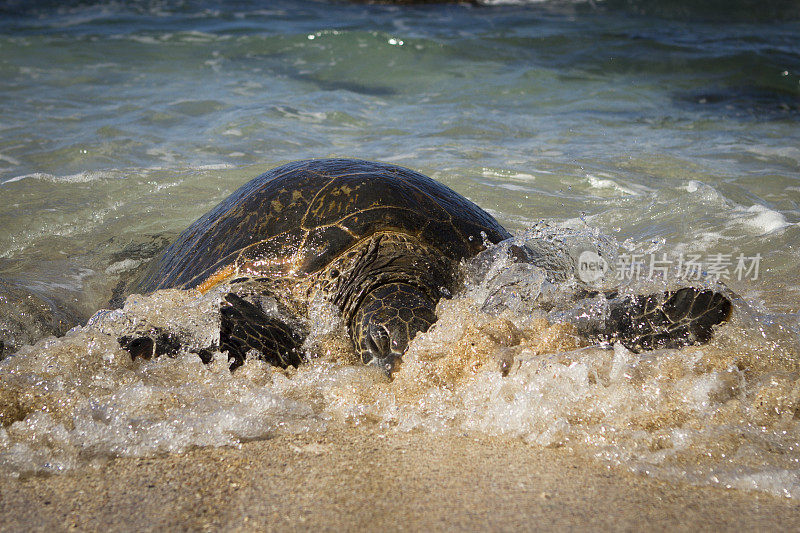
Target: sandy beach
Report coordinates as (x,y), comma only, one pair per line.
(361,479)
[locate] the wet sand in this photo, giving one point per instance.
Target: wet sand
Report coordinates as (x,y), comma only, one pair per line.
(360,479)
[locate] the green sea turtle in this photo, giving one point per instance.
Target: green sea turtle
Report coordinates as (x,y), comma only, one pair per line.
(381,242)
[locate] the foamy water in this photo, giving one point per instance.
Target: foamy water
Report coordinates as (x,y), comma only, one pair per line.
(720,414)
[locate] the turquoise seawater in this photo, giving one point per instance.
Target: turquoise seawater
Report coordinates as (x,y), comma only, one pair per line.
(670,129)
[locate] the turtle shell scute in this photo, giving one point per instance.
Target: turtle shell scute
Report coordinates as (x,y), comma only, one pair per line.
(298,218)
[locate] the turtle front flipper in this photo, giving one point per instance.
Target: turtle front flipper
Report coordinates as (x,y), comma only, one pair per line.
(664,320)
(244,327)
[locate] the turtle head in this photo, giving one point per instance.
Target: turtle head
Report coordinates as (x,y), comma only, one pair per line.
(386,321)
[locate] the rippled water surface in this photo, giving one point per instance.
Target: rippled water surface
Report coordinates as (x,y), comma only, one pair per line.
(650,129)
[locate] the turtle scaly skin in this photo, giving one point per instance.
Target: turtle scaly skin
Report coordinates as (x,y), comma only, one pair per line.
(383,243)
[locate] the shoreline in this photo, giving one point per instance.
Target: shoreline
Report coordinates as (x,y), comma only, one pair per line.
(363,479)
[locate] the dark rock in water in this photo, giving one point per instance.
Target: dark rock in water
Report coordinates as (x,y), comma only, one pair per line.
(26,316)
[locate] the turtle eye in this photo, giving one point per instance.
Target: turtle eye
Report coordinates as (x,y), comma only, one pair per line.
(378,341)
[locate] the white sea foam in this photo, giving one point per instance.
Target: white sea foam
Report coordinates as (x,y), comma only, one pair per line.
(491,364)
(123,266)
(148,39)
(605,183)
(507,174)
(761,219)
(195,36)
(215,166)
(703,192)
(701,242)
(80,177)
(772,152)
(515,187)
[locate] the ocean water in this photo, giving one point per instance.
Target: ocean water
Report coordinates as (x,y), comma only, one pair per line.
(665,135)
